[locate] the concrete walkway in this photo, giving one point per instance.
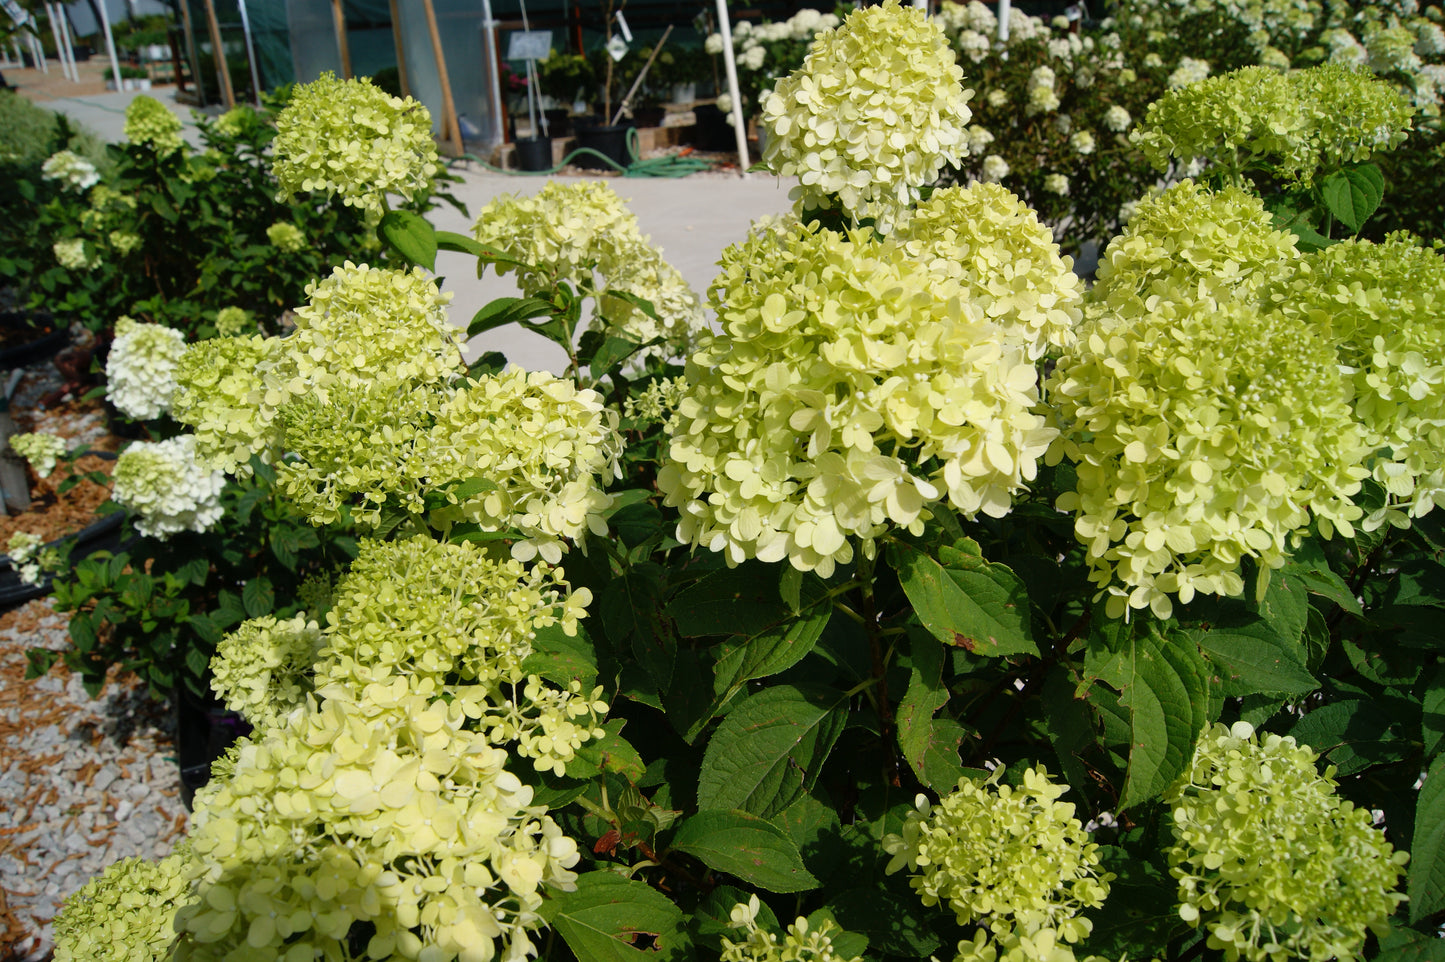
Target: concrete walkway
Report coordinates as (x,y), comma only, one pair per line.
(691,218)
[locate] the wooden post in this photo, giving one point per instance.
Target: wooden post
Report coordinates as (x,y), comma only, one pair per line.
(14,486)
(218,54)
(338,18)
(400,50)
(450,128)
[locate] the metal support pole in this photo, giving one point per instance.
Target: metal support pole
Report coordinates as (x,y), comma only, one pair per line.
(730,63)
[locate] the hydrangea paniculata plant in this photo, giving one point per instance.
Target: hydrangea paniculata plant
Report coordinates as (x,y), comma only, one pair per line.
(127,912)
(41,450)
(166,488)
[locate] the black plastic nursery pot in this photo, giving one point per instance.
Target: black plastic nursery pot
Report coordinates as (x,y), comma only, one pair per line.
(559,122)
(609,140)
(101,535)
(205,728)
(712,131)
(40,338)
(533,153)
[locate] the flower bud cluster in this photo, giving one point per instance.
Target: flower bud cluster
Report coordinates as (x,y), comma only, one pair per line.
(1270,861)
(801,943)
(142,366)
(875,112)
(72,170)
(848,362)
(1012,859)
(126,913)
(263,668)
(148,122)
(41,450)
(166,488)
(351,139)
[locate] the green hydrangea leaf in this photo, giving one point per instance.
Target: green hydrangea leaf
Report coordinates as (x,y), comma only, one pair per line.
(1353,194)
(1163,689)
(770,748)
(613,919)
(508,310)
(1353,735)
(410,236)
(1253,659)
(562,658)
(752,848)
(1406,945)
(894,922)
(1432,712)
(930,745)
(730,601)
(1426,886)
(1308,564)
(965,600)
(777,647)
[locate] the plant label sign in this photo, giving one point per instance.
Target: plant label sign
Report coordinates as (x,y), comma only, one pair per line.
(529,45)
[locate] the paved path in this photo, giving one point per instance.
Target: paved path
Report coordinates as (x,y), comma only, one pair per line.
(692,218)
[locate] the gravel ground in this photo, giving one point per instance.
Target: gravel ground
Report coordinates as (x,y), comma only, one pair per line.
(84,781)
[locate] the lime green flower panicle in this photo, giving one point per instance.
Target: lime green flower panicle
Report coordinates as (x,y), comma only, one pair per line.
(1269,860)
(149,123)
(218,395)
(73,171)
(875,112)
(41,450)
(354,140)
(231,321)
(1380,304)
(263,668)
(286,237)
(367,829)
(1012,859)
(546,449)
(73,255)
(845,362)
(126,913)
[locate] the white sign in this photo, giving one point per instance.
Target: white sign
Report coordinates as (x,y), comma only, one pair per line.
(622,25)
(529,45)
(17,12)
(617,47)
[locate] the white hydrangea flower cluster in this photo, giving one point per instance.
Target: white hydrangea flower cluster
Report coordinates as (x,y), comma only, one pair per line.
(1082,141)
(978,139)
(73,171)
(166,488)
(1270,861)
(801,943)
(1043,98)
(847,360)
(1117,119)
(262,669)
(371,827)
(72,254)
(142,366)
(993,169)
(23,548)
(1205,426)
(1056,184)
(875,112)
(1189,71)
(126,913)
(41,450)
(1380,304)
(354,140)
(583,234)
(1011,859)
(544,447)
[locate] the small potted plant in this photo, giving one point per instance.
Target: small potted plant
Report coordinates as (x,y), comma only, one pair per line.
(563,78)
(678,71)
